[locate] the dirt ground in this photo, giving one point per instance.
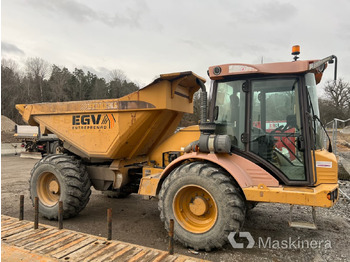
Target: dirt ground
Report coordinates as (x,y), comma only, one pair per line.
(7,137)
(136,220)
(7,125)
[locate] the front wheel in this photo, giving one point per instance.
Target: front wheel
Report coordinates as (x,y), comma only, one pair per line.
(205,203)
(60,178)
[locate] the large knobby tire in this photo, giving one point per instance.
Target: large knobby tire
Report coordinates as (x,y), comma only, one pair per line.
(60,178)
(205,203)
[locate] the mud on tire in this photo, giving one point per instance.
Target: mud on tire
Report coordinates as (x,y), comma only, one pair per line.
(215,183)
(60,178)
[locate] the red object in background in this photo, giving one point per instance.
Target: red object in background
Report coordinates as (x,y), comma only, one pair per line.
(288,141)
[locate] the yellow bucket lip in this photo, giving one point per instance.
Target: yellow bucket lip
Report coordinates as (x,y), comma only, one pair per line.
(21,108)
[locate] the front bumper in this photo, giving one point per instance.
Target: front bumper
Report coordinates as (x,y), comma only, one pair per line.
(324,195)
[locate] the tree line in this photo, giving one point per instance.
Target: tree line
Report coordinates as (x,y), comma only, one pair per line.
(336,103)
(41,82)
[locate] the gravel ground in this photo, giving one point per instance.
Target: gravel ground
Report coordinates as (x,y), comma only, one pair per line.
(136,220)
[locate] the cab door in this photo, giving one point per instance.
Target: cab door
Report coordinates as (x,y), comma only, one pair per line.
(275,126)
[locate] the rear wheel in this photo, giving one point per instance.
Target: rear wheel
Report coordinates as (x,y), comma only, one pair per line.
(205,203)
(60,178)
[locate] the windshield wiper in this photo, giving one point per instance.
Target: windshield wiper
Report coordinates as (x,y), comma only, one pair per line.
(324,128)
(314,118)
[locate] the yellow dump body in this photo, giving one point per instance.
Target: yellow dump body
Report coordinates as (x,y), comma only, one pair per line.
(118,128)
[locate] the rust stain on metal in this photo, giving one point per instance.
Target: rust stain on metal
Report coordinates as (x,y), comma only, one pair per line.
(109,224)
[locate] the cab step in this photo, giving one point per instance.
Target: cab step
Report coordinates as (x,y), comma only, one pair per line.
(302,224)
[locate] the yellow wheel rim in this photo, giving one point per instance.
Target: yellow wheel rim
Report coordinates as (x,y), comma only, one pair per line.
(48,189)
(195,209)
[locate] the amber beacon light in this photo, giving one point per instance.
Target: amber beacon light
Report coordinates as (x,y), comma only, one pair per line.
(296,52)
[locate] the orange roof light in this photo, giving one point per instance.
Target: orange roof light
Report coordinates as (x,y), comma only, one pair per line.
(295,50)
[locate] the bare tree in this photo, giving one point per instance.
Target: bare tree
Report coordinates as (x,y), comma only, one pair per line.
(117,74)
(338,92)
(337,102)
(37,70)
(116,79)
(10,64)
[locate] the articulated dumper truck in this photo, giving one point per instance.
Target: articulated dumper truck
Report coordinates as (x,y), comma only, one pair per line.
(259,140)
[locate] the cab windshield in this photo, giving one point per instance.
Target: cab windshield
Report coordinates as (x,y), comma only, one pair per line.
(318,133)
(274,124)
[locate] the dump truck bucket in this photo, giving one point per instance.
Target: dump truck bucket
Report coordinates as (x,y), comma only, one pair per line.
(118,128)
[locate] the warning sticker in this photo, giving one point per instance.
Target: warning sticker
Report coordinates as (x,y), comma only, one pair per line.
(324,164)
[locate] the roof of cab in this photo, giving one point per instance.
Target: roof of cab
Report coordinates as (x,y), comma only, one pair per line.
(271,68)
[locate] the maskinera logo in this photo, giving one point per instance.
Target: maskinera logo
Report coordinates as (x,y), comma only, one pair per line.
(270,243)
(247,235)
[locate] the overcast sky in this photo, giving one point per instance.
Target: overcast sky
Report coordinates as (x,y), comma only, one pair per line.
(147,38)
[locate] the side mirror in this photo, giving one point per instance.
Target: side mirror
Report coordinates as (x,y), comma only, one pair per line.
(216,112)
(300,144)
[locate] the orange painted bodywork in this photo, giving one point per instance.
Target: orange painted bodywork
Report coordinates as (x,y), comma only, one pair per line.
(268,68)
(305,196)
(118,128)
(176,142)
(245,172)
(256,184)
(326,167)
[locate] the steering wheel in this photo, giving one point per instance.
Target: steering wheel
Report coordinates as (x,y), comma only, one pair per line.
(280,128)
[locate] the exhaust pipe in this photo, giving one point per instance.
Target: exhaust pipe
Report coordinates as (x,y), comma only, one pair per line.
(203,102)
(208,142)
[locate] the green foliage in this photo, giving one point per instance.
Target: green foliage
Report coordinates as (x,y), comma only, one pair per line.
(11,92)
(41,82)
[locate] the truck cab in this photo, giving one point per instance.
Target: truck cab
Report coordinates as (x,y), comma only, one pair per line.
(270,112)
